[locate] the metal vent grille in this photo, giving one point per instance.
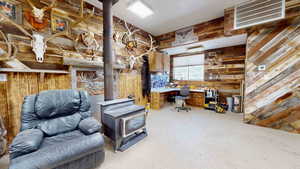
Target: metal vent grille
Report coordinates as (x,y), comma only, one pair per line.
(258,12)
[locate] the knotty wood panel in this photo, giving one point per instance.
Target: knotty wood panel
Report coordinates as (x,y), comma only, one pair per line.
(20,85)
(130,84)
(272,96)
(205,31)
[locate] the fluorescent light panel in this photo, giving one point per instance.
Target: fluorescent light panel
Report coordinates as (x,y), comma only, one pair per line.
(195,47)
(140,8)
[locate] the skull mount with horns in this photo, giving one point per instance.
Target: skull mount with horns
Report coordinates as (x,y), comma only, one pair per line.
(131,44)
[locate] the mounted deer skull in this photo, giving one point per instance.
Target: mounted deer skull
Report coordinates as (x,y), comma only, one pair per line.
(38,42)
(129,40)
(89,40)
(35,17)
(132,59)
(39,13)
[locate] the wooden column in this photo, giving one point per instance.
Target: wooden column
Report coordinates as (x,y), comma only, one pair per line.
(108,49)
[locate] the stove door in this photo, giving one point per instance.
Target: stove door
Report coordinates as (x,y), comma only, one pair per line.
(133,124)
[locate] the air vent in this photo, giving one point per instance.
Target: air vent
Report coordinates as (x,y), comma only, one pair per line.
(258,12)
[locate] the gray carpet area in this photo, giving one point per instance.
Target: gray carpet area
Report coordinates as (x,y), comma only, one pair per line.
(202,139)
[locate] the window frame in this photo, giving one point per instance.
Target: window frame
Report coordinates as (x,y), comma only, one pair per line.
(202,76)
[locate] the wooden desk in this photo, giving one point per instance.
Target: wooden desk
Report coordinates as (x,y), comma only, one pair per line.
(159,97)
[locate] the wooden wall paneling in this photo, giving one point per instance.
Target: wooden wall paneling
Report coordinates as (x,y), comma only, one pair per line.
(205,31)
(272,96)
(129,84)
(20,85)
(13,96)
(229,23)
(4,105)
(229,67)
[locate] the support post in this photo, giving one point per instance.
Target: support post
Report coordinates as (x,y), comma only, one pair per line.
(108,50)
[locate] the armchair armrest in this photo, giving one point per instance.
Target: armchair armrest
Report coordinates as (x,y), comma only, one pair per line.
(26,142)
(89,126)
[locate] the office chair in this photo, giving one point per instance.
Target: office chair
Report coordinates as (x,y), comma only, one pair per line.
(181,99)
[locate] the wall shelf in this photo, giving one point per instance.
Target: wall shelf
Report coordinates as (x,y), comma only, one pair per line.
(33,71)
(82,63)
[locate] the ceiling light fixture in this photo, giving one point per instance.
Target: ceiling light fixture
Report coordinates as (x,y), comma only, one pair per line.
(140,8)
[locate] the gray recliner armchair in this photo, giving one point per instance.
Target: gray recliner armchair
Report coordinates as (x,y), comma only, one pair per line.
(57,132)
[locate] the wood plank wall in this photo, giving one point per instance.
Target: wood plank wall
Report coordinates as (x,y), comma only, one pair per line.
(272,96)
(204,31)
(216,28)
(130,84)
(20,85)
(226,68)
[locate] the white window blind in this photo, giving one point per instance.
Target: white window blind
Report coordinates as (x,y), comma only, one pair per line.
(181,73)
(189,67)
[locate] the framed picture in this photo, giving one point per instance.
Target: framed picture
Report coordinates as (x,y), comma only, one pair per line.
(59,21)
(12,9)
(185,36)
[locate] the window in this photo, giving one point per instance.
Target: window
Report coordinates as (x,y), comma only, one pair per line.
(188,67)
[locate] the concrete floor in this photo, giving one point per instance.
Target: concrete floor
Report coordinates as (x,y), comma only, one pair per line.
(202,139)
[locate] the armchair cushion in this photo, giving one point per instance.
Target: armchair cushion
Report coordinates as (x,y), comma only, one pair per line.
(29,119)
(61,151)
(89,126)
(60,124)
(26,142)
(57,103)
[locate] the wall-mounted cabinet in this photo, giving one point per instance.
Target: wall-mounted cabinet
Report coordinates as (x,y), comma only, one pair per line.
(159,62)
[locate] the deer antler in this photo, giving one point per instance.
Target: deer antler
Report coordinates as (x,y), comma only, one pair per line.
(31,4)
(129,32)
(133,59)
(3,17)
(152,48)
(9,47)
(49,7)
(128,29)
(44,8)
(83,77)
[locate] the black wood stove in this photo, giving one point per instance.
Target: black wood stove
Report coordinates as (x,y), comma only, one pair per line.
(123,122)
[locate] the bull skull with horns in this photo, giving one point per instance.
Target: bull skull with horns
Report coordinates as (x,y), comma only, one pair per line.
(38,41)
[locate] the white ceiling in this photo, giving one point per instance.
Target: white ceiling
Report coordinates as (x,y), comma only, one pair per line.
(210,44)
(171,15)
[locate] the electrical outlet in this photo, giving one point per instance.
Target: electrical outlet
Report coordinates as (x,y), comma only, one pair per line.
(261,67)
(3,77)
